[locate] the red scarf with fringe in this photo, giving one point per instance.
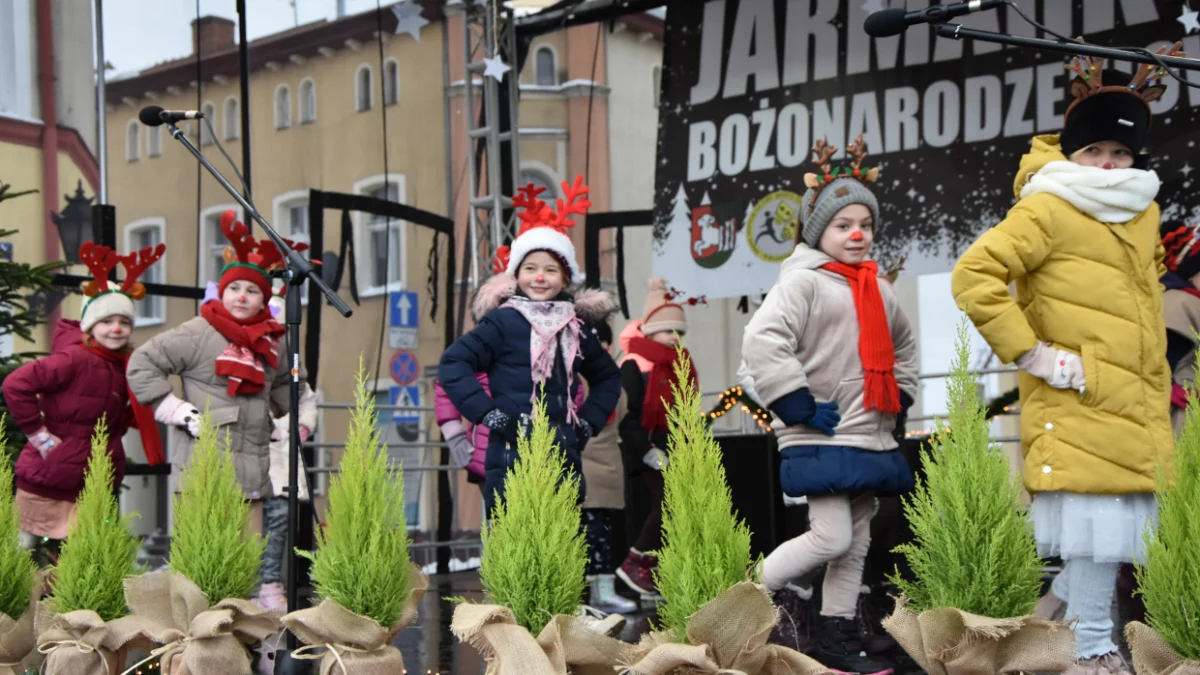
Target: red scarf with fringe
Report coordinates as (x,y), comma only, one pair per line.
(252,342)
(875,347)
(660,393)
(143,416)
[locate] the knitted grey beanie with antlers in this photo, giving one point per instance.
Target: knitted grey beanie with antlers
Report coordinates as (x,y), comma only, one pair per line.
(832,192)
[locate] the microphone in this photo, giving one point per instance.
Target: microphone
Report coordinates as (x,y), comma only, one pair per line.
(153,116)
(895,21)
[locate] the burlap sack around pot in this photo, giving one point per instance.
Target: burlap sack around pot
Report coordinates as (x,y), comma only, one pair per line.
(729,634)
(197,638)
(565,645)
(17,638)
(350,643)
(1153,656)
(81,643)
(948,641)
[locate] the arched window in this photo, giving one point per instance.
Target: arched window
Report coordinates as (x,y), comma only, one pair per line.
(391,82)
(384,237)
(212,251)
(209,123)
(363,94)
(233,119)
(133,145)
(283,107)
(656,83)
(308,101)
(149,232)
(545,67)
(154,141)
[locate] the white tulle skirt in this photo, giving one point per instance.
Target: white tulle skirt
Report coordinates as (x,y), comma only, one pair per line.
(1108,528)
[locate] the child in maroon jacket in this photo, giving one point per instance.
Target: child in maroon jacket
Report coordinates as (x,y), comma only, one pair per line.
(57,401)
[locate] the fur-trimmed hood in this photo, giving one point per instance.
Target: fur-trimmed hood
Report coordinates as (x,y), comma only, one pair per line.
(591,304)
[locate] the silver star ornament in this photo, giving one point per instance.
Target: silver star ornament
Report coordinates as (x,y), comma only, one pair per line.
(409,19)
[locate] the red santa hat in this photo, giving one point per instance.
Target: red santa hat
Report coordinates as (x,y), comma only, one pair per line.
(545,229)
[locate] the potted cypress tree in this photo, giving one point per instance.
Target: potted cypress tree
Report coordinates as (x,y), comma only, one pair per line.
(976,571)
(362,572)
(199,607)
(712,619)
(18,576)
(1170,578)
(532,569)
(79,627)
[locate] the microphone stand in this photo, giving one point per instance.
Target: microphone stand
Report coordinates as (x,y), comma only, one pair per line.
(296,271)
(956,32)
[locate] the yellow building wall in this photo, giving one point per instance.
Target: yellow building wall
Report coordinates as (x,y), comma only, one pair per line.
(341,147)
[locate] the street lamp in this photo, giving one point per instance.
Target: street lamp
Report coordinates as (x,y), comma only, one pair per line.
(74,223)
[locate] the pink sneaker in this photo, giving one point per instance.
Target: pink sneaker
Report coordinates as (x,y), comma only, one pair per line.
(272,597)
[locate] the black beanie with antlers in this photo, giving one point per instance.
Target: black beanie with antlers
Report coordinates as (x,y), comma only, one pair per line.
(1110,105)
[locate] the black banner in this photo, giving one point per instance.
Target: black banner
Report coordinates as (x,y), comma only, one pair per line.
(750,85)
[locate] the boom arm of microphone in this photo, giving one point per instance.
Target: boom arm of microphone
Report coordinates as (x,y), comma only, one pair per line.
(956,32)
(298,268)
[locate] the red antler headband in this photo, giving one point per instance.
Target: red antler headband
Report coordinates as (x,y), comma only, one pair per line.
(101,260)
(246,251)
(533,213)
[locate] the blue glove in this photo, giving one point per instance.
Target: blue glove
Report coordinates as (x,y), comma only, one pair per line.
(799,407)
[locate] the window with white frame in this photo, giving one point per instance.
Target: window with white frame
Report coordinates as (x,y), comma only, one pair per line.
(383,238)
(291,219)
(148,233)
(363,88)
(16,58)
(133,145)
(545,67)
(391,82)
(233,119)
(209,123)
(212,249)
(154,141)
(308,101)
(655,83)
(283,107)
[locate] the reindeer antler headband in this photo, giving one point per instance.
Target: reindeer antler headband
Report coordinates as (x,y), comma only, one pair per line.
(823,153)
(246,251)
(1089,79)
(101,260)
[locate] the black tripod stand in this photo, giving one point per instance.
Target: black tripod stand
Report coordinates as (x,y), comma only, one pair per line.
(297,270)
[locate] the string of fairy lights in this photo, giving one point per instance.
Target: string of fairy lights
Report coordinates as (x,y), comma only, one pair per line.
(734,396)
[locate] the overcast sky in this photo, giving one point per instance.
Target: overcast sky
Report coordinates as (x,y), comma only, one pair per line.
(140,33)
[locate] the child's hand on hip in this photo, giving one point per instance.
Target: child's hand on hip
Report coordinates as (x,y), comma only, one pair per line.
(45,441)
(1059,369)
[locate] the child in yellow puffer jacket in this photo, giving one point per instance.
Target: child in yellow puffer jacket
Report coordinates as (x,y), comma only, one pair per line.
(1086,330)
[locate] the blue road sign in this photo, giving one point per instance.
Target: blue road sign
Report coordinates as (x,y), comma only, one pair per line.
(404,367)
(406,396)
(404,311)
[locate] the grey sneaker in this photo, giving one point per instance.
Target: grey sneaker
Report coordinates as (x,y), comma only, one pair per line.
(1111,663)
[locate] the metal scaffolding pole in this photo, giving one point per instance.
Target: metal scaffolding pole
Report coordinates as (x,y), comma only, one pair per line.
(488,32)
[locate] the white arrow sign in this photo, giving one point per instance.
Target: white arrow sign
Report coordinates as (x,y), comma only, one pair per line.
(405,306)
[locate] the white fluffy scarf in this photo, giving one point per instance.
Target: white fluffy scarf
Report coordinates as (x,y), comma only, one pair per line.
(1108,195)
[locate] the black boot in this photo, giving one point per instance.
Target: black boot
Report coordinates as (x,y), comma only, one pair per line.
(870,628)
(839,647)
(795,621)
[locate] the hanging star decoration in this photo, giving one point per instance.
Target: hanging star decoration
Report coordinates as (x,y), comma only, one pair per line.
(1187,169)
(1190,19)
(495,68)
(872,6)
(409,19)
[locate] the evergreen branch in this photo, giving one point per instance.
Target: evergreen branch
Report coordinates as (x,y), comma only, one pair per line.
(17,568)
(973,546)
(362,559)
(534,552)
(212,545)
(1169,581)
(706,547)
(100,551)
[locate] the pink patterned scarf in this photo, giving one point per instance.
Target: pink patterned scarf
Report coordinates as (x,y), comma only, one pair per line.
(554,324)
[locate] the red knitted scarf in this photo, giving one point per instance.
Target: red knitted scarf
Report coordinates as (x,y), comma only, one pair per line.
(660,393)
(875,346)
(143,416)
(251,342)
